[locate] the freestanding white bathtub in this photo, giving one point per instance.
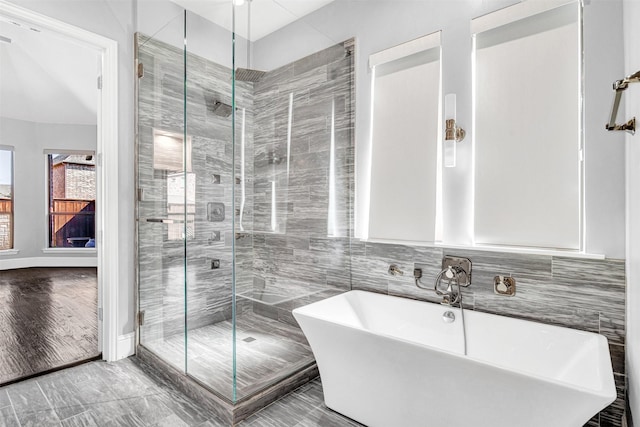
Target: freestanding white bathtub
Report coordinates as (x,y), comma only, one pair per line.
(389,361)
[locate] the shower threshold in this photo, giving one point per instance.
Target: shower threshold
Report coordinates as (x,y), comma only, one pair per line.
(221,406)
(271,359)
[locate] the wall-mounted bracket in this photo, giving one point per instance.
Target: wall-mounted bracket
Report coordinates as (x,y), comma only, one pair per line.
(620,86)
(630,126)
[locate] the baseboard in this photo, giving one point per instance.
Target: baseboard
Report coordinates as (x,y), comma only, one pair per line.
(126,345)
(9,264)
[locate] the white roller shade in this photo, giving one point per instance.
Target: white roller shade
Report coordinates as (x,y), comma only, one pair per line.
(527,130)
(405,143)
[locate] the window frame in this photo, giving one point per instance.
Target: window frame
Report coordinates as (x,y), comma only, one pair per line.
(48,198)
(11,212)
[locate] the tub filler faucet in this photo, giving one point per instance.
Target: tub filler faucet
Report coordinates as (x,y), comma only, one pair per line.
(456,273)
(450,277)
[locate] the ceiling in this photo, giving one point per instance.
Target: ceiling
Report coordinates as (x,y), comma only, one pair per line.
(266,16)
(45,78)
(49,79)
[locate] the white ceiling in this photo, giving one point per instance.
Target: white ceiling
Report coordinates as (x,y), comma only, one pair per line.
(266,17)
(45,78)
(48,79)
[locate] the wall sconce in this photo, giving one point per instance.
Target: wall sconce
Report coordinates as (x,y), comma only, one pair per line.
(452,133)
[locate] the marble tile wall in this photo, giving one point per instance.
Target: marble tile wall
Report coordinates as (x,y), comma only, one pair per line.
(577,293)
(304,149)
(298,139)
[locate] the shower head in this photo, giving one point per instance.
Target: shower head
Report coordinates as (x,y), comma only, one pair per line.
(215,106)
(221,109)
(249,75)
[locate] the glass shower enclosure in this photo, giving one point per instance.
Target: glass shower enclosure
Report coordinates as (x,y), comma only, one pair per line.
(245,178)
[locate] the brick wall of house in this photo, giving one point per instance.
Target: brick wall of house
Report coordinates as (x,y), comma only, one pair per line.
(80,182)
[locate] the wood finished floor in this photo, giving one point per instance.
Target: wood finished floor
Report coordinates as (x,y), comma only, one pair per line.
(48,319)
(267,350)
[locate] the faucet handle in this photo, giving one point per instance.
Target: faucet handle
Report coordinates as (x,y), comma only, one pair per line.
(395,271)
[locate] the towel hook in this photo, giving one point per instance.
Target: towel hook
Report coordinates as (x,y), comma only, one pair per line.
(620,86)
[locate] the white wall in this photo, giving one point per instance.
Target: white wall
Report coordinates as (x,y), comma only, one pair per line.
(29,140)
(632,107)
(382,24)
(114,19)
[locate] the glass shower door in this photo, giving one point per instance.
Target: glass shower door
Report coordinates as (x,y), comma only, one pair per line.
(209,250)
(166,188)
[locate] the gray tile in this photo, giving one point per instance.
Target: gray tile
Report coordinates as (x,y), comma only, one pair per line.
(66,403)
(325,417)
(4,398)
(8,417)
(617,358)
(83,419)
(606,272)
(171,421)
(612,326)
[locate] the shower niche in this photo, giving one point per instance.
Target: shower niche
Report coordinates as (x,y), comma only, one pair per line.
(277,216)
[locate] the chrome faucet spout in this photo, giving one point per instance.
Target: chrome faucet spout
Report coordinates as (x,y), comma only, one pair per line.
(452,276)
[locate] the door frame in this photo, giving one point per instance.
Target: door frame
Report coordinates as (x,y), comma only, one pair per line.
(107,197)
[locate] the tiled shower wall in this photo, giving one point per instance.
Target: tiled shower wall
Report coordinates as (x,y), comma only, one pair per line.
(298,140)
(577,293)
(304,150)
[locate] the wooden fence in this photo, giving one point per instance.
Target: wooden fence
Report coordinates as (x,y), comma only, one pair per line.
(72,222)
(5,205)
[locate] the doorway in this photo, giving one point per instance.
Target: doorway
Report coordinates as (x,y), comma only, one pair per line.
(31,254)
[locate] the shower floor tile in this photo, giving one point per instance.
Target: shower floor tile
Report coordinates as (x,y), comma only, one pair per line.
(48,319)
(266,351)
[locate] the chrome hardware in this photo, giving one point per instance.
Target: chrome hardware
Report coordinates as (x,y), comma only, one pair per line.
(453,276)
(463,263)
(165,220)
(448,317)
(503,285)
(395,271)
(456,273)
(620,86)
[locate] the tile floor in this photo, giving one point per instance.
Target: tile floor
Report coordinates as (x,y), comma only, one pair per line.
(121,394)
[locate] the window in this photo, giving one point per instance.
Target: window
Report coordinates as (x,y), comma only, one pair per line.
(6,197)
(72,200)
(528,171)
(405,132)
